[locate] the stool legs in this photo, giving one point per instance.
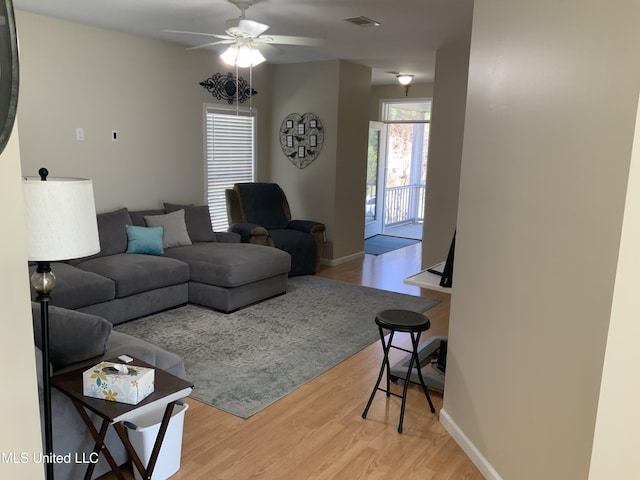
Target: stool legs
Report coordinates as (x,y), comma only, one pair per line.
(415,360)
(386,346)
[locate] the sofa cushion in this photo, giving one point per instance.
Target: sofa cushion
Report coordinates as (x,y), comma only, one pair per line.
(121,343)
(134,273)
(137,216)
(231,264)
(73,336)
(144,240)
(175,229)
(198,220)
(76,288)
(111,230)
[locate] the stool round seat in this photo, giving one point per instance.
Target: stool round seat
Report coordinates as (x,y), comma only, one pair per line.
(403,321)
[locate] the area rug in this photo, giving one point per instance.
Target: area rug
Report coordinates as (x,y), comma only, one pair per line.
(244,361)
(379,244)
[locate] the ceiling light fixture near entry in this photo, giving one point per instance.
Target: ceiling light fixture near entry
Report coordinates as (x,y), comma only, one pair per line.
(404,79)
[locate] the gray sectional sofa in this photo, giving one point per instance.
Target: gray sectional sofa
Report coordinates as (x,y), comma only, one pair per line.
(131,278)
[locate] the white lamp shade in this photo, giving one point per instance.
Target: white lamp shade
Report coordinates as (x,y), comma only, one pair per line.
(229,55)
(242,56)
(60,218)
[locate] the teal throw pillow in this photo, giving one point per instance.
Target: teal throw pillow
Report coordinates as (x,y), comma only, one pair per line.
(145,240)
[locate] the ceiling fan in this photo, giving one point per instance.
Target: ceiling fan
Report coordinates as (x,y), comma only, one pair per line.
(245,37)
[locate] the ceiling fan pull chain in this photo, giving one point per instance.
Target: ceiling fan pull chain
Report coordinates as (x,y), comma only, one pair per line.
(237,93)
(251,90)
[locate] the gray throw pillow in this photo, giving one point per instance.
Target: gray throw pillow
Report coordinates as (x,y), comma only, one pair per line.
(73,336)
(137,216)
(175,230)
(198,220)
(111,229)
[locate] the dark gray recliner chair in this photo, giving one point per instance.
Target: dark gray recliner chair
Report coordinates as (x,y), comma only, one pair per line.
(260,213)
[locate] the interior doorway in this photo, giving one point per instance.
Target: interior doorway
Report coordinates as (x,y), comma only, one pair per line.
(397,169)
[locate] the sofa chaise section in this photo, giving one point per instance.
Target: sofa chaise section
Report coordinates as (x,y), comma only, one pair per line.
(227,276)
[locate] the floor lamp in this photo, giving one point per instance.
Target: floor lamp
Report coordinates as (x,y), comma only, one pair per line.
(61,224)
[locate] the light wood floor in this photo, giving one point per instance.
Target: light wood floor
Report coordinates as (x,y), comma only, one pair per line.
(317,431)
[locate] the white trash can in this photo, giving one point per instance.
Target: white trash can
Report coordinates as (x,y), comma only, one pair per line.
(143,433)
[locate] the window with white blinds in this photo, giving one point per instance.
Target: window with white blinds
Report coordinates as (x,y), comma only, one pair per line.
(230,155)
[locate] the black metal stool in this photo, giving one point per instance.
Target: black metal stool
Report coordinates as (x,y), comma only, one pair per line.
(400,321)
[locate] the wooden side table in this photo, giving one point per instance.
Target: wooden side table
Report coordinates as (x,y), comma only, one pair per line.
(168,389)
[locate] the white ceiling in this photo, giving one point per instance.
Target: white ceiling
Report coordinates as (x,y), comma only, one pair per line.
(411,31)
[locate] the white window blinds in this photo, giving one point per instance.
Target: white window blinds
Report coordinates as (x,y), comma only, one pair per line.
(230,155)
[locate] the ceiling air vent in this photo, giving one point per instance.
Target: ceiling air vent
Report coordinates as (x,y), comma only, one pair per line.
(363,22)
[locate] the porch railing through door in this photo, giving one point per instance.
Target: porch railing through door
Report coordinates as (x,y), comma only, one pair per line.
(404,204)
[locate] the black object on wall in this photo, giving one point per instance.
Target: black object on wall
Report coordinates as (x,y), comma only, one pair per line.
(228,87)
(447,273)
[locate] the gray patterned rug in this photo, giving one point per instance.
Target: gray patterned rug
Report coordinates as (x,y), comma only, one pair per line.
(244,361)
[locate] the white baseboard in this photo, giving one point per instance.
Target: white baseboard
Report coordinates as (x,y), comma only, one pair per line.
(332,262)
(468,447)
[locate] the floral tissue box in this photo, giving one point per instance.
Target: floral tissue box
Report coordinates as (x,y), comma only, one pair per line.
(118,383)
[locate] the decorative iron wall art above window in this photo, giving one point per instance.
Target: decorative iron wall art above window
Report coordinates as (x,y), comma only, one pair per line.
(301,138)
(228,87)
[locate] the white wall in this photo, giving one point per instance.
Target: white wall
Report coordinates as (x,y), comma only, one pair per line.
(79,76)
(552,95)
(20,430)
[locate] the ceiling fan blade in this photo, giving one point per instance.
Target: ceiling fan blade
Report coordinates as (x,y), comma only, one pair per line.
(225,37)
(245,27)
(290,40)
(220,42)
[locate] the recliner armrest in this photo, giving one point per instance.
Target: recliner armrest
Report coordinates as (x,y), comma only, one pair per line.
(307,226)
(252,233)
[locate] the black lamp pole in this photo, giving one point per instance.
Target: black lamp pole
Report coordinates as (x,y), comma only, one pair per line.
(43,281)
(44,270)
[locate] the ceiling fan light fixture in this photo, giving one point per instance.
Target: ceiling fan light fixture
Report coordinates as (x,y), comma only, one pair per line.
(242,56)
(404,79)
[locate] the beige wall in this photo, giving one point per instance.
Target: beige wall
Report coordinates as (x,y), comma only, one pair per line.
(551,106)
(78,76)
(338,92)
(351,159)
(445,152)
(615,447)
(19,402)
